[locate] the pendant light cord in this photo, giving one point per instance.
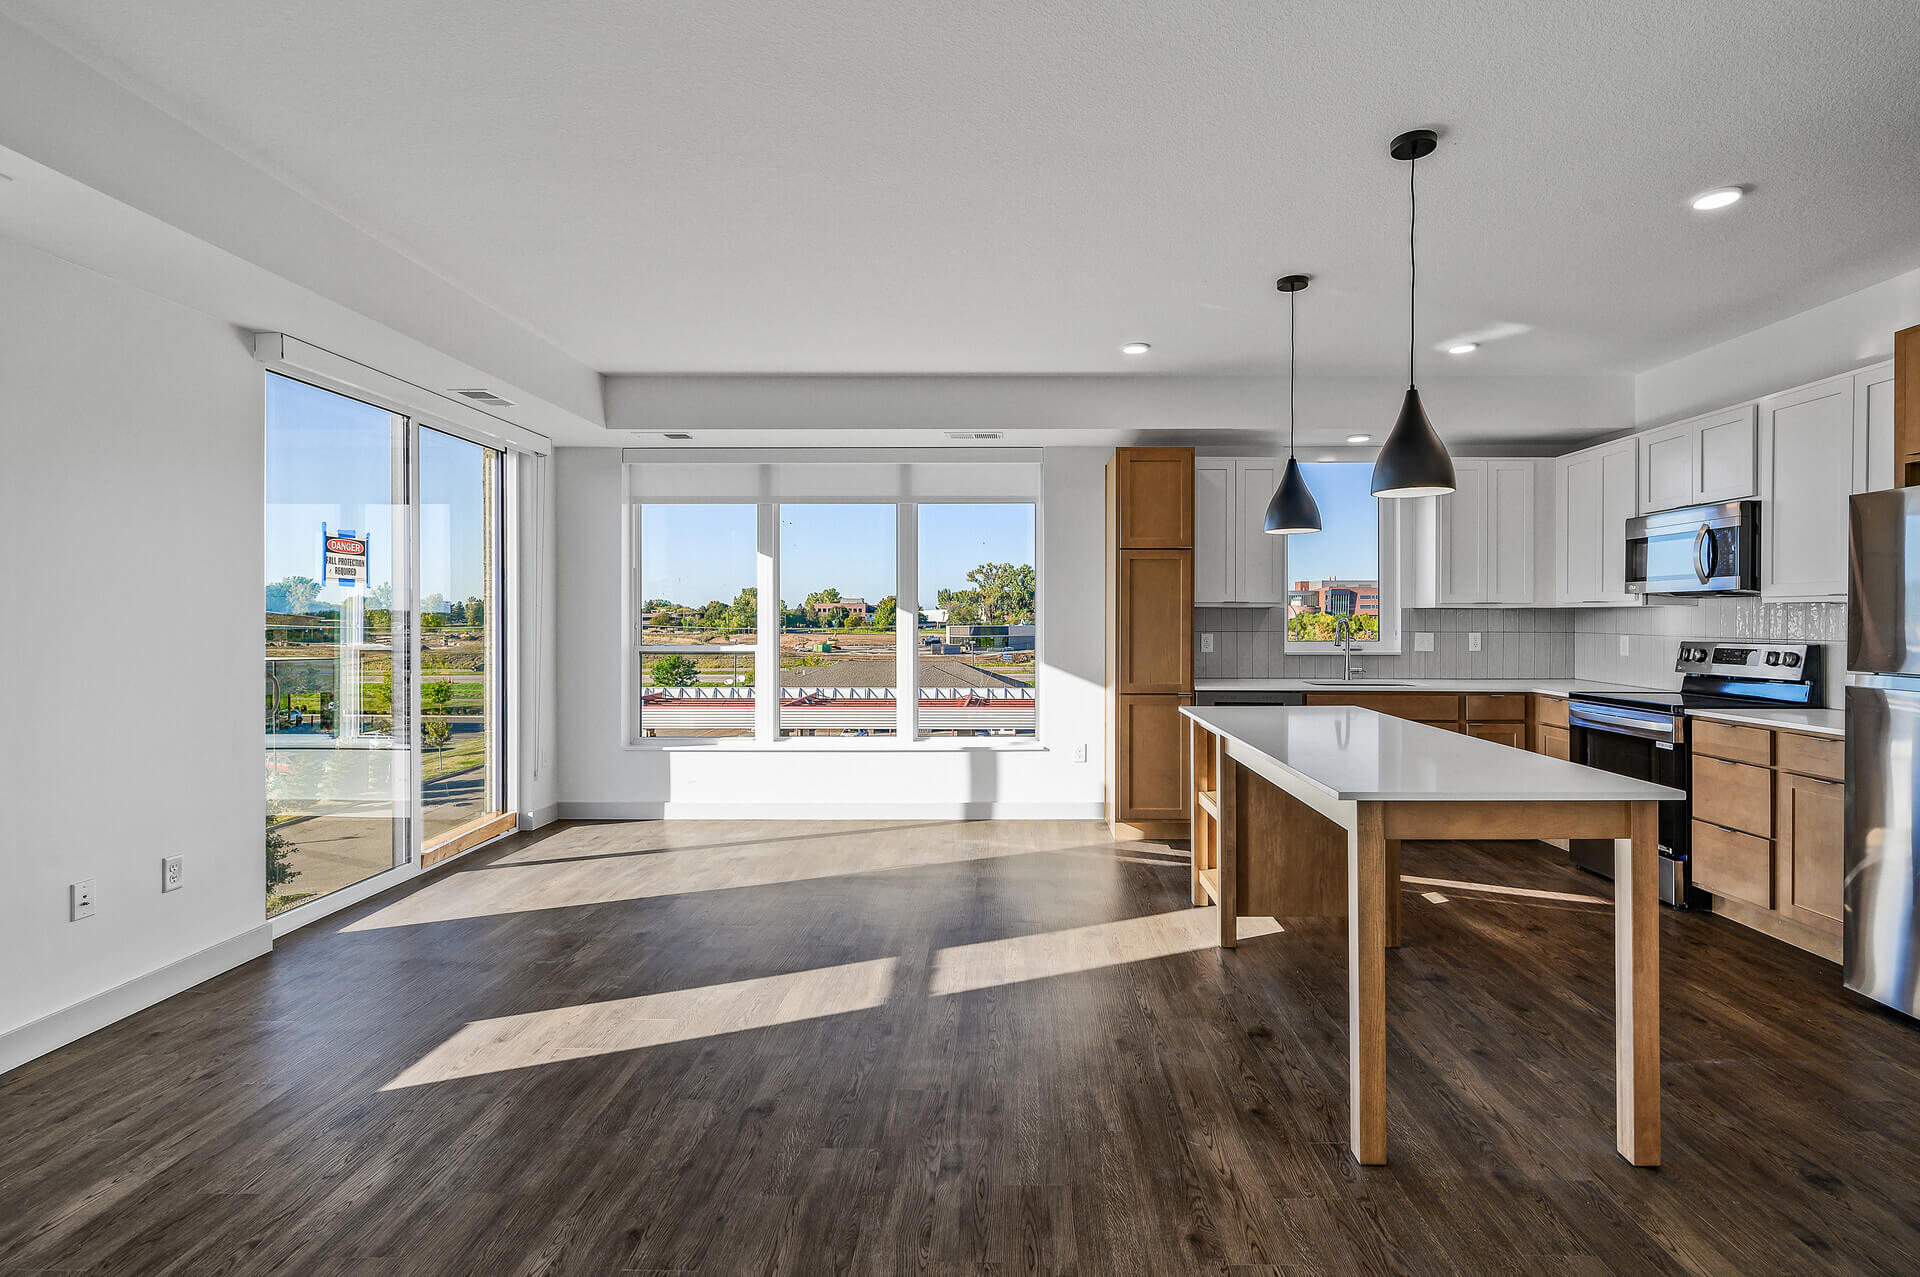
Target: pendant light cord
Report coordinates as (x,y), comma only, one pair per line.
(1293,326)
(1413,262)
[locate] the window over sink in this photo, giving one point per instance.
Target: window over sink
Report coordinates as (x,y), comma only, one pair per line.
(1349,571)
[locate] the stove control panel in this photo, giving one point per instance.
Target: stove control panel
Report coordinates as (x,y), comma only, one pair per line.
(1785,662)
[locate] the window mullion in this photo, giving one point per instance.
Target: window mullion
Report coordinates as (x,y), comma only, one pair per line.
(906,625)
(766,657)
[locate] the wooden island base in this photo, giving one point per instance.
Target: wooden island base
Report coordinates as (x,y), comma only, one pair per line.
(1261,850)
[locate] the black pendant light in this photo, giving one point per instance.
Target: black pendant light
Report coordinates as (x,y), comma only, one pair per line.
(1293,508)
(1413,462)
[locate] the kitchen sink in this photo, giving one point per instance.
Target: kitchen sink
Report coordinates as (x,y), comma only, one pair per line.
(1354,682)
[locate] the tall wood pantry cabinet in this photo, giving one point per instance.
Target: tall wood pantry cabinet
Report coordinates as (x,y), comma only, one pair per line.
(1149,625)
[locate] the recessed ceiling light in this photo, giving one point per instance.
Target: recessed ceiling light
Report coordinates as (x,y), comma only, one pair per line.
(1359,438)
(1464,348)
(1135,348)
(1710,200)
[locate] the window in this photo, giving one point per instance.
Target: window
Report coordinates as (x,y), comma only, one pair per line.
(838,620)
(699,619)
(767,596)
(976,631)
(1344,577)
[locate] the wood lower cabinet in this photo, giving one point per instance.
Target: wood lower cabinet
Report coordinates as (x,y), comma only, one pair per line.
(1153,781)
(1514,733)
(1809,821)
(1554,742)
(1769,817)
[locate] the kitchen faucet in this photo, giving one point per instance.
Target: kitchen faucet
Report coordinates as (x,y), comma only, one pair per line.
(1343,635)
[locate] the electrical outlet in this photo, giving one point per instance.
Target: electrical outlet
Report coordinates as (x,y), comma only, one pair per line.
(1080,752)
(1473,640)
(173,873)
(1206,642)
(1423,640)
(80,896)
(1623,646)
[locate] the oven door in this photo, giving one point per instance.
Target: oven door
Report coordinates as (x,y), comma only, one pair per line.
(1700,550)
(1647,745)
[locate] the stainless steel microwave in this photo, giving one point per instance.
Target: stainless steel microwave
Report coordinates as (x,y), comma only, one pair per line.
(1698,549)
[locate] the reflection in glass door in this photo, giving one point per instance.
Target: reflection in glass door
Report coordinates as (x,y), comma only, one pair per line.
(462,792)
(339,774)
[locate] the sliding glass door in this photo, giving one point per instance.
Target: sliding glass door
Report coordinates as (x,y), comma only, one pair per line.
(339,759)
(462,790)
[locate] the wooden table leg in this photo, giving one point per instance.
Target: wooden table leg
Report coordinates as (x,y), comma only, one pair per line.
(1367,882)
(1393,893)
(1228,851)
(1197,837)
(1636,975)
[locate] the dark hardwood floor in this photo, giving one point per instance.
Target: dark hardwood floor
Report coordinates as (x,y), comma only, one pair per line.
(731,1048)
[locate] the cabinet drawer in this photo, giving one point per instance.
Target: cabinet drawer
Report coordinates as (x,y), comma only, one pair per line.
(1421,707)
(1820,756)
(1731,864)
(1553,741)
(1733,795)
(1506,733)
(1488,707)
(1738,744)
(1550,711)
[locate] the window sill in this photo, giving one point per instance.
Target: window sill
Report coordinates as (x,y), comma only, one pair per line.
(869,745)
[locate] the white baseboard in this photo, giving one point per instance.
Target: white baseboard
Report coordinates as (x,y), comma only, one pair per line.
(831,811)
(50,1032)
(540,817)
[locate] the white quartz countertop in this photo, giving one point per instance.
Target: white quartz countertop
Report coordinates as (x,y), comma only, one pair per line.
(1820,722)
(1544,686)
(1358,755)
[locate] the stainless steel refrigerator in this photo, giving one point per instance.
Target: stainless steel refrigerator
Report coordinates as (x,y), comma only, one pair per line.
(1882,946)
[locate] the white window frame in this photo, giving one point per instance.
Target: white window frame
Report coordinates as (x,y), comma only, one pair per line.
(823,477)
(1389,554)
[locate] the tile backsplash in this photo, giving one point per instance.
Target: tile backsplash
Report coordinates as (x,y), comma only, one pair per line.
(1654,631)
(1582,643)
(1514,643)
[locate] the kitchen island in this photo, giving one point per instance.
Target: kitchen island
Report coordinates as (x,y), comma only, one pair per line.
(1300,812)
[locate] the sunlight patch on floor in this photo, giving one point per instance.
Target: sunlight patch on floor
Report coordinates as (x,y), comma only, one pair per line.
(1528,893)
(654,1019)
(506,888)
(1104,944)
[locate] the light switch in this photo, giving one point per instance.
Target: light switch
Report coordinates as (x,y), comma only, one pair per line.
(1623,645)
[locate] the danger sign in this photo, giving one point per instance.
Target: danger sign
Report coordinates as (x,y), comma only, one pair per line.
(343,558)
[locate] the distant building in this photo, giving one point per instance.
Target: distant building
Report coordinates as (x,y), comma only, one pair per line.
(857,609)
(933,615)
(1012,638)
(1335,598)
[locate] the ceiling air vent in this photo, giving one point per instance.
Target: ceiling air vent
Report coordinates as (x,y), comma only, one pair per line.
(676,434)
(480,394)
(976,434)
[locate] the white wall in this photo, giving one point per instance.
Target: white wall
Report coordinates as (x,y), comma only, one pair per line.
(599,777)
(1843,334)
(130,503)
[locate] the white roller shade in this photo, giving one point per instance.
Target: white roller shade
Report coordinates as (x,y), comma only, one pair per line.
(661,476)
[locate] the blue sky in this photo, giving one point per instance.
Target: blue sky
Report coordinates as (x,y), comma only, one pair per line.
(1348,544)
(329,459)
(691,554)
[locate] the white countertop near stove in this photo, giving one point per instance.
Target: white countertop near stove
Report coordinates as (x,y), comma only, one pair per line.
(1544,686)
(1820,722)
(1359,755)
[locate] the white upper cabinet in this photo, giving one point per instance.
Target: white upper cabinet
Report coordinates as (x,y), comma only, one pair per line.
(1213,528)
(1259,560)
(1595,492)
(1806,476)
(1873,428)
(1487,534)
(1235,560)
(1705,460)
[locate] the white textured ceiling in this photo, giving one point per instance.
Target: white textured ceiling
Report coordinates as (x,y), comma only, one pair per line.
(896,187)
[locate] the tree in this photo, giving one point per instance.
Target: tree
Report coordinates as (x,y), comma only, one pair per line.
(435,698)
(886,614)
(745,614)
(292,594)
(456,613)
(828,595)
(1004,592)
(280,870)
(476,612)
(437,734)
(674,670)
